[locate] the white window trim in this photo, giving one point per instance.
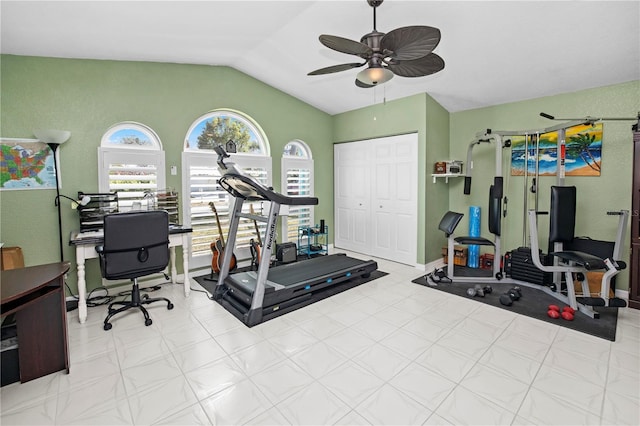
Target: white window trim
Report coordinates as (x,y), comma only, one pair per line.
(203,158)
(108,156)
(148,131)
(293,162)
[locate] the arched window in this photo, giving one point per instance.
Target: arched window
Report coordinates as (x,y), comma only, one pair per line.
(200,175)
(297,179)
(131,163)
(231,129)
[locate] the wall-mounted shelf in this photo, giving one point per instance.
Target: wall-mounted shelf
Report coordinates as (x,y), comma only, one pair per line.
(446,176)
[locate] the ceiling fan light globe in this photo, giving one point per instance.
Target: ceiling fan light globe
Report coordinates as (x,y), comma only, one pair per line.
(374,76)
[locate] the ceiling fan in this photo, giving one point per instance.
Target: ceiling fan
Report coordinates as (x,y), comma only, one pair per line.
(405,51)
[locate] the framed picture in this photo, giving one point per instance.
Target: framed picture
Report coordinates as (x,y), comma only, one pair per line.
(26,164)
(583,148)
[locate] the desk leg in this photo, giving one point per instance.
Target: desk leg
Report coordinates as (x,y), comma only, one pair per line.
(82,285)
(185,264)
(174,270)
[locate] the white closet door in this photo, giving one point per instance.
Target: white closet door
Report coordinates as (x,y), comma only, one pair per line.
(394,198)
(376,207)
(352,197)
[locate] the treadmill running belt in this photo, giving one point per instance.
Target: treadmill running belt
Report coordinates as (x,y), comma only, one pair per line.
(295,274)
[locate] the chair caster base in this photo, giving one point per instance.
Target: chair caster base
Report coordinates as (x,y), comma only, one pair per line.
(107,326)
(148,322)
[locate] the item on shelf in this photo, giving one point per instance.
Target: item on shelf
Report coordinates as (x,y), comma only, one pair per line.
(454,167)
(164,199)
(92,214)
(440,167)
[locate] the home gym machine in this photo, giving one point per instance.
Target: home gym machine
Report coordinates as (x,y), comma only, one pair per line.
(257,297)
(561,231)
(562,228)
(450,220)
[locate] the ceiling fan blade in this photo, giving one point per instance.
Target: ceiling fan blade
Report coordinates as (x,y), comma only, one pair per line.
(336,68)
(347,46)
(364,85)
(420,67)
(408,43)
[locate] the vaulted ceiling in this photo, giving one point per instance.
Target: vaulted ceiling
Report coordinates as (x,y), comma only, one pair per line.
(495,51)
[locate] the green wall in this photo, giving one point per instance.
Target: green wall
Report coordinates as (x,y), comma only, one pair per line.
(88,96)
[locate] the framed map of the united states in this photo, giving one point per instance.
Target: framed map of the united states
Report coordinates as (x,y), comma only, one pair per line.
(26,164)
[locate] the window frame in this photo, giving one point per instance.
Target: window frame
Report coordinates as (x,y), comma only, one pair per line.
(109,153)
(289,162)
(195,157)
(236,115)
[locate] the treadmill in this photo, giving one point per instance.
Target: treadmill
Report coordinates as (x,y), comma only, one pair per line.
(257,296)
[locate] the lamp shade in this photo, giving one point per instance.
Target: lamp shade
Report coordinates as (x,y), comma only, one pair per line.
(375,75)
(52,136)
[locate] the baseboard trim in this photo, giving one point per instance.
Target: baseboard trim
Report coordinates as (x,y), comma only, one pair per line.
(433,265)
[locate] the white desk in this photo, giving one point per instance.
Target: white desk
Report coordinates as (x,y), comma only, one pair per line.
(86,249)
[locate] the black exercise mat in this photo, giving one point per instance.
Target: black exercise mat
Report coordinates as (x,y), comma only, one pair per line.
(534,304)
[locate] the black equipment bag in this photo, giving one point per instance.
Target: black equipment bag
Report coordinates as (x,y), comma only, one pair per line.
(286,252)
(601,249)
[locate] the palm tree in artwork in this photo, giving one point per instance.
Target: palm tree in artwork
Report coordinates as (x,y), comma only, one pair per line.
(579,147)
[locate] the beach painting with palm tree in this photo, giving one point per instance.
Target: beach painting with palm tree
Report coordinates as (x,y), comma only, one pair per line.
(583,146)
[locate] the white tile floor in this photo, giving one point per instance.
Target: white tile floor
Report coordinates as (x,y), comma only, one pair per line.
(387,352)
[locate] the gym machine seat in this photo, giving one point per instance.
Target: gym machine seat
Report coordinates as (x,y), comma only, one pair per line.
(561,231)
(448,225)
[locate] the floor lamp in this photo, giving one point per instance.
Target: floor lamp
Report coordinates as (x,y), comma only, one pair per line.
(55,138)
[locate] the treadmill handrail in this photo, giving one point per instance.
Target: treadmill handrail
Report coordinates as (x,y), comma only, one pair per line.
(247,188)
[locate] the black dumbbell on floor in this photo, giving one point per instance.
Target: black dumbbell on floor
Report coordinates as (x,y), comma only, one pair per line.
(478,290)
(510,296)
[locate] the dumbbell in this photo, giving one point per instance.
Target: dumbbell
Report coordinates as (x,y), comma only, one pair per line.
(510,296)
(477,290)
(567,312)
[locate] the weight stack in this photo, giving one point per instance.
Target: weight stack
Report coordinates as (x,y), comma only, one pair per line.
(519,266)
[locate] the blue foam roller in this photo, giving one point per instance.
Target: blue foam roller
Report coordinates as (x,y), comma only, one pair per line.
(473,254)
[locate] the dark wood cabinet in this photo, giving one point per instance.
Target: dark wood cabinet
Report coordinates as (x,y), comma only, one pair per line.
(634,273)
(36,295)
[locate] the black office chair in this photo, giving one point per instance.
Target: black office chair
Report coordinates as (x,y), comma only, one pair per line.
(136,244)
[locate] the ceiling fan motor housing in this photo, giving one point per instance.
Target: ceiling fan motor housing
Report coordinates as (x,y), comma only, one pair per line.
(372,40)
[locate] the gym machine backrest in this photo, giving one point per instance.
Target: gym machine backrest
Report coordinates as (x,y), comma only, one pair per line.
(562,222)
(561,231)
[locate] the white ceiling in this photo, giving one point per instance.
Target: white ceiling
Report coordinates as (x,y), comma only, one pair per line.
(495,51)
